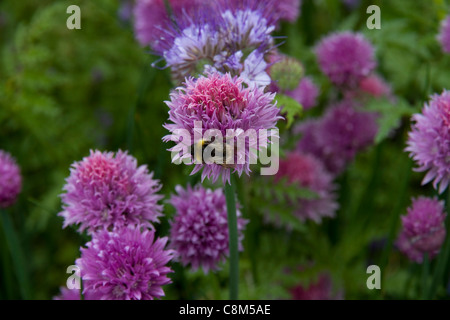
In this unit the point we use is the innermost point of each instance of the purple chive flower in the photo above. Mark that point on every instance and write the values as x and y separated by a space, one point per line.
306 93
199 230
309 172
215 39
429 140
221 102
288 10
125 265
10 180
338 136
107 191
346 58
404 245
74 294
444 35
423 224
151 19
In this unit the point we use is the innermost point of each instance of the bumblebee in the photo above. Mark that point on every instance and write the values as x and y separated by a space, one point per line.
227 151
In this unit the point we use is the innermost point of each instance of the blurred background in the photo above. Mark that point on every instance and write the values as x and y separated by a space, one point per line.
64 92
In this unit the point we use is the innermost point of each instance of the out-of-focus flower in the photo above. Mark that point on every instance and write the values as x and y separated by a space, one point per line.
125 265
221 102
403 244
10 180
423 224
151 19
74 294
322 289
106 191
338 136
346 58
288 10
375 86
429 141
199 230
444 34
309 172
306 93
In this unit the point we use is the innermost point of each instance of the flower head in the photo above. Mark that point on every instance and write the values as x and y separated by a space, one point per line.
107 191
338 136
306 93
223 37
404 245
375 86
125 265
424 224
10 180
322 289
221 103
199 230
308 172
288 10
346 58
151 19
429 140
444 35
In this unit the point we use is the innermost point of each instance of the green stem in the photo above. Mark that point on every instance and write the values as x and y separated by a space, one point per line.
443 257
230 195
16 254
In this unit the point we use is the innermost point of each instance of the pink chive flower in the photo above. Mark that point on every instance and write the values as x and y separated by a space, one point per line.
423 225
429 141
308 172
222 103
322 289
375 86
10 180
199 229
444 34
336 138
151 19
125 265
106 191
288 10
405 246
306 93
346 58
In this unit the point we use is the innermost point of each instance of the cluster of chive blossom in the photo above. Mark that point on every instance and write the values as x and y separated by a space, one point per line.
221 103
127 264
199 229
338 136
116 202
423 229
225 36
108 191
322 289
429 140
10 180
444 34
346 58
308 172
288 78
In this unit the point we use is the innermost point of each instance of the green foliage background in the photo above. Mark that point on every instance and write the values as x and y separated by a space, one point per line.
63 92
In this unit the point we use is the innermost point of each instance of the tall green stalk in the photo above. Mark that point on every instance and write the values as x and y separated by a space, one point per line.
230 195
17 256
